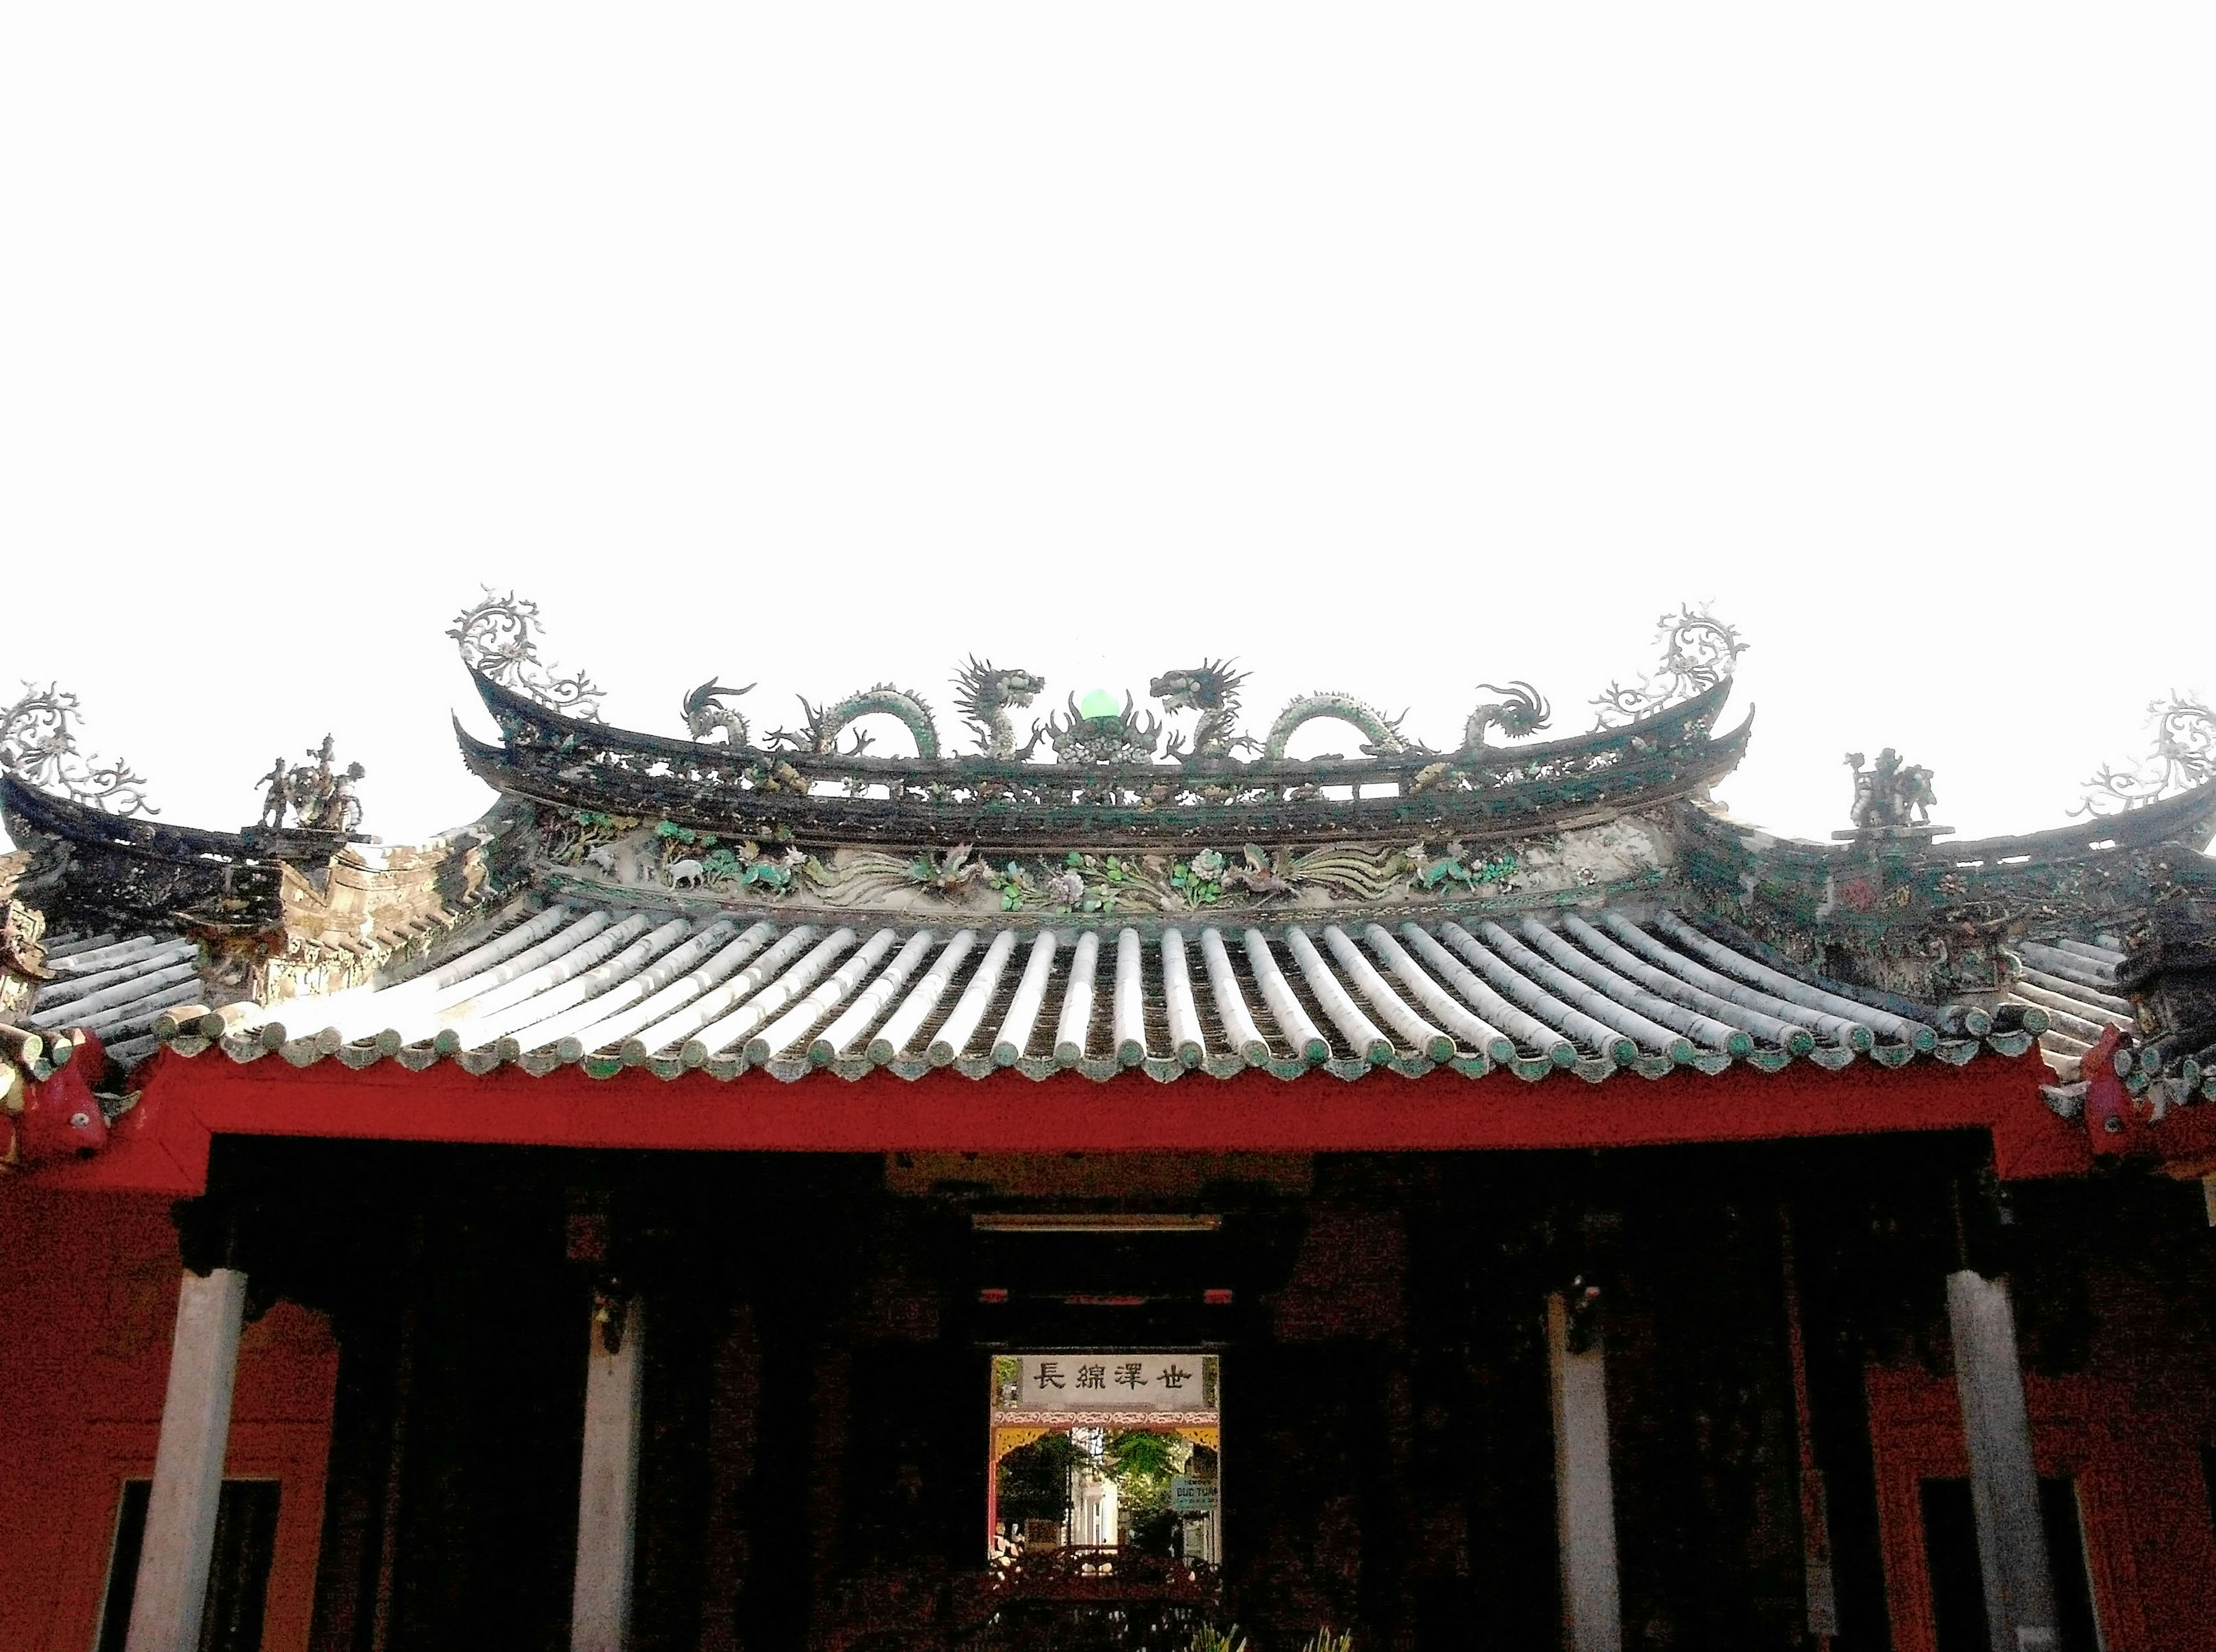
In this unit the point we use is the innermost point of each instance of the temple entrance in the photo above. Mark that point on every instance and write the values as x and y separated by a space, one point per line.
1103 1514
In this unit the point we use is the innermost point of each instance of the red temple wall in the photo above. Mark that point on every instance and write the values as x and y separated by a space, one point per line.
2129 1430
88 1301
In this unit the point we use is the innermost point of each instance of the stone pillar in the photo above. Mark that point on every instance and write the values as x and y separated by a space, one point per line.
181 1510
1585 1493
2003 1481
607 1491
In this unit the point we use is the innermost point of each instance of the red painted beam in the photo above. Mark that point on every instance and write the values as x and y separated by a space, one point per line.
162 1145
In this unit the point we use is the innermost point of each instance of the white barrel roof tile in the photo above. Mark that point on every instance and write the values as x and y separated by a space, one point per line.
1594 993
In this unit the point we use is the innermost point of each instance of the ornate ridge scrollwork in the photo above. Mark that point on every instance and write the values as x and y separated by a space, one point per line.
1699 651
2184 756
38 746
1220 763
499 636
757 867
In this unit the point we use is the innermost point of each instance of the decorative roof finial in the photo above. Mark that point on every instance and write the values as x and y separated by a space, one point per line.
1890 796
319 793
499 637
2184 756
1699 652
1097 732
38 746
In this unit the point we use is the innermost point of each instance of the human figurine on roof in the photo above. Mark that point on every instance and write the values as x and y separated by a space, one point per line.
1891 793
276 797
340 810
319 794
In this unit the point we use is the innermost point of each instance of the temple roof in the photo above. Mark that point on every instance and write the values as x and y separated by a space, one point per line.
1120 796
1173 900
2075 983
1631 987
117 988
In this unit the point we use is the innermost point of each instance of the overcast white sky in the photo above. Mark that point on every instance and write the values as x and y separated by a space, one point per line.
1389 349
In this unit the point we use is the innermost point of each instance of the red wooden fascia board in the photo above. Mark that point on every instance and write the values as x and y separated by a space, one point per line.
162 1145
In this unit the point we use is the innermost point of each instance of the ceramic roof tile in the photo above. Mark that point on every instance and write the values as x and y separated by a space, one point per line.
608 987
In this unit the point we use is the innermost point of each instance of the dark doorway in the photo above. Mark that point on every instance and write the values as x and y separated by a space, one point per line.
238 1577
1958 1590
2065 1555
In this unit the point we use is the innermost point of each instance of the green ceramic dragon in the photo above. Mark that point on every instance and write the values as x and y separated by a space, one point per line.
1383 733
822 726
1210 688
984 692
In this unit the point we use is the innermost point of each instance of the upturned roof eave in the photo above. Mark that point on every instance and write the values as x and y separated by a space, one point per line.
1473 817
2188 818
1670 759
507 705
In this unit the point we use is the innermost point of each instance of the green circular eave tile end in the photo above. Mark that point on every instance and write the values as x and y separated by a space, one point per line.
1098 702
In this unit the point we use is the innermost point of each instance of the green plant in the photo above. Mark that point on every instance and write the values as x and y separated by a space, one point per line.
1142 1464
1324 1641
1209 1638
